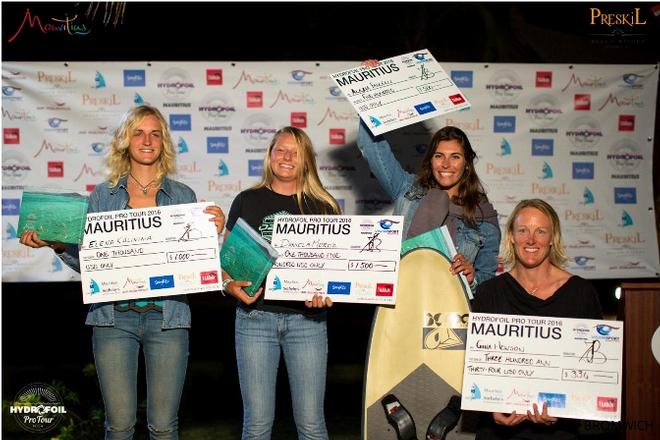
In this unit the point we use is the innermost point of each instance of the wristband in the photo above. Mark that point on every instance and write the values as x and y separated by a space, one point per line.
226 282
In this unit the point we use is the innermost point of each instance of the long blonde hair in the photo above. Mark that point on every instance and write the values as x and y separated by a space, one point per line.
118 160
308 183
557 254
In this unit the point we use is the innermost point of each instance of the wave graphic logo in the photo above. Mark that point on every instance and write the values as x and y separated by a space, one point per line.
505 148
93 287
277 283
99 81
182 146
626 219
10 232
546 171
587 197
475 392
223 169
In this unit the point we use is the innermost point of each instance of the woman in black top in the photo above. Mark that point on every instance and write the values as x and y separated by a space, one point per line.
265 329
535 285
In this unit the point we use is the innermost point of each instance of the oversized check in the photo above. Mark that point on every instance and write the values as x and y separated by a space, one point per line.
348 258
573 365
400 91
149 252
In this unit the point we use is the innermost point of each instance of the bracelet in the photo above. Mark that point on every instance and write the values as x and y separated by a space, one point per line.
226 282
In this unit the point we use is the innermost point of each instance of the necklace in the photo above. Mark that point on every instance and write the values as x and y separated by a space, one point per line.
143 188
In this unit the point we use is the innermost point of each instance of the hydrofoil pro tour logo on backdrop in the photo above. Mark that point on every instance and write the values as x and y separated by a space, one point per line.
505 87
544 110
38 408
444 331
217 109
175 84
625 157
584 132
257 130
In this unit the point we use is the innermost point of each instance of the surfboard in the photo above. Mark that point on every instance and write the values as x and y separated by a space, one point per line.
417 348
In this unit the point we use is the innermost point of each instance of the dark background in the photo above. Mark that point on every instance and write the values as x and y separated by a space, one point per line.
43 336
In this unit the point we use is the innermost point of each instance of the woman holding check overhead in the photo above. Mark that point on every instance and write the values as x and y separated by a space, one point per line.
141 157
445 191
290 185
535 285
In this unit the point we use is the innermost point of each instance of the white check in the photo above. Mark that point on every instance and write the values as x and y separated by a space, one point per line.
400 91
573 365
149 252
348 258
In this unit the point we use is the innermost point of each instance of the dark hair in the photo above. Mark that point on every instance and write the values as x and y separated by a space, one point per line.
470 190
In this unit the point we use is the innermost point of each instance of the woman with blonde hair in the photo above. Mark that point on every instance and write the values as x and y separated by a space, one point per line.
536 284
264 329
140 159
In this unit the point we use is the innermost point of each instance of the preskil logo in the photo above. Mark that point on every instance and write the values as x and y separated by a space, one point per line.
134 78
11 135
217 144
254 99
544 80
299 119
462 78
56 169
214 77
255 167
625 196
583 170
11 206
626 122
543 147
582 101
337 136
504 124
180 122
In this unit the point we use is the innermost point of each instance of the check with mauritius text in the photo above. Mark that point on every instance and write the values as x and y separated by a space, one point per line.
149 252
348 258
400 91
572 365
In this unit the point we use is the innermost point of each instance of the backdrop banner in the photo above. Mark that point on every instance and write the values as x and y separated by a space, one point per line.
577 136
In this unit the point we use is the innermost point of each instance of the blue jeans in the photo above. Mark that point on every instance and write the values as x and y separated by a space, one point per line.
116 351
259 338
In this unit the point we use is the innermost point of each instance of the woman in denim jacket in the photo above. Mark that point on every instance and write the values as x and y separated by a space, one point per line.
141 156
445 191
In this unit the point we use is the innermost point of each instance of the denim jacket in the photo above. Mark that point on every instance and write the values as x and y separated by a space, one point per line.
480 245
176 311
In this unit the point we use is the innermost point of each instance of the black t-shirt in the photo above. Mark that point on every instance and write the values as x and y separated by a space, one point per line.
258 207
576 298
